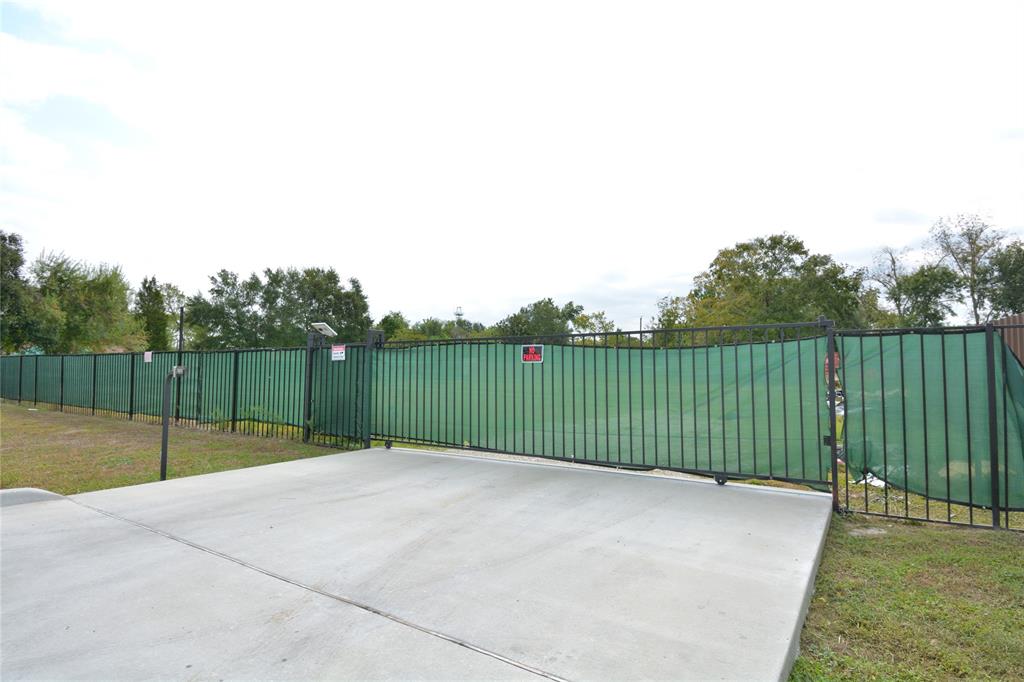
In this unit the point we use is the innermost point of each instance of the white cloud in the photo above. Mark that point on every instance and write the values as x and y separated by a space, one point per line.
460 153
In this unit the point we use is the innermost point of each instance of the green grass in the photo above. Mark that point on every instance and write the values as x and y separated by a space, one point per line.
898 600
893 600
72 453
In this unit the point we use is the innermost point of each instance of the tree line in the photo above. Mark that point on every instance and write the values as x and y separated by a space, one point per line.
61 305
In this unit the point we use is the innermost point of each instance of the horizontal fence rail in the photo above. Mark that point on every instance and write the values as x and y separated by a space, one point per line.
928 423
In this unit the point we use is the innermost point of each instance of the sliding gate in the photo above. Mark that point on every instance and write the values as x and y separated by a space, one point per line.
746 402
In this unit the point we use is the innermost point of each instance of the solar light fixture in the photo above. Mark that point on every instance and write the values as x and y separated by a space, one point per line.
324 328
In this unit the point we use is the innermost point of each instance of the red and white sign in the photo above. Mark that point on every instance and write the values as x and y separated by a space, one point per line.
337 352
533 353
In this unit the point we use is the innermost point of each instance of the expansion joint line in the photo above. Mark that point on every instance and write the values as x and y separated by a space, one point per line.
330 595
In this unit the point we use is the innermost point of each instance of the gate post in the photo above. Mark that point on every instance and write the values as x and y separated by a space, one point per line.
307 401
62 383
21 374
234 391
993 427
94 357
131 387
833 439
374 339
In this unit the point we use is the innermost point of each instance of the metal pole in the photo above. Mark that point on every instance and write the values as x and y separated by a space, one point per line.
131 388
307 404
94 383
166 418
833 440
62 383
181 347
21 373
374 337
993 427
234 393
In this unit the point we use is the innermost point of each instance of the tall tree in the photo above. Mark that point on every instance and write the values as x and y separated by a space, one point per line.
928 294
277 310
540 318
968 244
90 302
769 280
1007 283
152 314
393 324
16 320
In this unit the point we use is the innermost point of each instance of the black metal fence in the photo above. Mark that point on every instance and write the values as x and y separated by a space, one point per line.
916 423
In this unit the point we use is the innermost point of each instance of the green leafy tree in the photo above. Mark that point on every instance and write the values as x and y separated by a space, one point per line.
540 318
87 304
968 244
152 314
928 295
765 281
17 324
1007 282
393 324
276 311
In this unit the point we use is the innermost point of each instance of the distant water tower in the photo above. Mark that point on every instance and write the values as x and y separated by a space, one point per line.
458 316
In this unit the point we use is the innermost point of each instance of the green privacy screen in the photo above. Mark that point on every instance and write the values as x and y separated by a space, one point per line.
917 414
756 409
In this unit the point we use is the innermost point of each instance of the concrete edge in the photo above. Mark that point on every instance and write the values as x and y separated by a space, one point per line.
14 496
528 460
794 642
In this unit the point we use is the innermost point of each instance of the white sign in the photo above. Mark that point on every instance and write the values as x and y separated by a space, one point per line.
147 356
337 352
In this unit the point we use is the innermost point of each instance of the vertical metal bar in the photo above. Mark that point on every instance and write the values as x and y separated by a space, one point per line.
181 347
924 417
693 384
93 383
234 397
833 440
736 386
785 400
800 400
682 416
668 411
618 399
654 396
903 413
753 403
572 345
945 425
768 400
846 436
721 395
607 410
970 454
629 375
993 426
21 373
1003 348
62 383
707 392
307 402
131 386
643 424
165 421
885 444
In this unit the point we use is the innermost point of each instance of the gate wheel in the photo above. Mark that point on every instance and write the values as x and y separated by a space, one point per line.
387 445
720 479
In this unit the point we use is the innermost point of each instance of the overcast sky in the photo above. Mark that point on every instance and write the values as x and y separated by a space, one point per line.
488 154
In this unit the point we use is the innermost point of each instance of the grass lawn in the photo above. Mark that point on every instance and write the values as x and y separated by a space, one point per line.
70 453
898 600
894 600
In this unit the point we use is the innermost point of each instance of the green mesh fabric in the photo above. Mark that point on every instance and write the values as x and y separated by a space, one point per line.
917 415
749 409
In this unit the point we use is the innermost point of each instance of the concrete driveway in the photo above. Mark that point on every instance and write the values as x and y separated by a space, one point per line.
408 565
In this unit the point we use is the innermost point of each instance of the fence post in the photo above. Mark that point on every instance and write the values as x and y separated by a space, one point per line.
21 373
307 401
131 388
35 380
234 392
993 426
833 439
94 357
62 383
374 338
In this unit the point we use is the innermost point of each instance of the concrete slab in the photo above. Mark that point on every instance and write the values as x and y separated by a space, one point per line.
400 564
